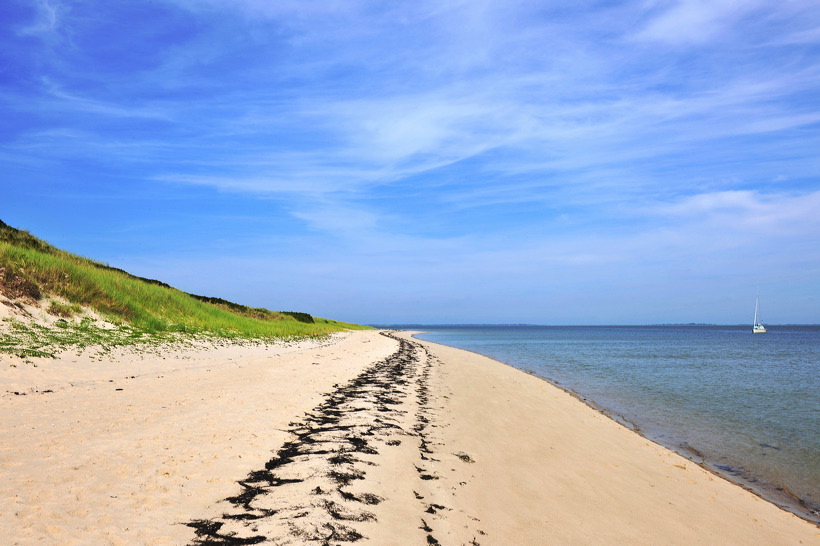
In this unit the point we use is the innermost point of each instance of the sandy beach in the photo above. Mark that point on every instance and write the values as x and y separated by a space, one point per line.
365 437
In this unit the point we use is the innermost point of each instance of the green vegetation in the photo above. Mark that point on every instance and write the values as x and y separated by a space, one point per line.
59 309
142 309
32 339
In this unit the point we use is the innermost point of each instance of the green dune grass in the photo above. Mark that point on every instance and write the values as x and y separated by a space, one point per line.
32 270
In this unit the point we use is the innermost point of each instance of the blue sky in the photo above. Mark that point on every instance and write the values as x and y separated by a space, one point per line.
450 161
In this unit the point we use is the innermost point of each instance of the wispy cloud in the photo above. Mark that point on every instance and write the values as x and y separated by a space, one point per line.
749 214
485 139
47 19
685 22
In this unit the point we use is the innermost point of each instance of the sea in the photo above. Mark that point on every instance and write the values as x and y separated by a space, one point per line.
743 405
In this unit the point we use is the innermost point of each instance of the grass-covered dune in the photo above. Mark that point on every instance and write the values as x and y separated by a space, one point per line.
33 271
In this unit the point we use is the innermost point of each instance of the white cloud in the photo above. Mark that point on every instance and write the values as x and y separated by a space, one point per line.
742 218
696 21
283 8
807 36
47 19
451 146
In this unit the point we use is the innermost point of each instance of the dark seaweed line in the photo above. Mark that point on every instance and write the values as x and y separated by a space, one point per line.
424 421
354 420
420 428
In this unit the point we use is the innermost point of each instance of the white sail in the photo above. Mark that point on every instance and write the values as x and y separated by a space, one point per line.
757 328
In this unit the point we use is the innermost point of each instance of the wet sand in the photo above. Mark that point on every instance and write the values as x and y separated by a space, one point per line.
371 438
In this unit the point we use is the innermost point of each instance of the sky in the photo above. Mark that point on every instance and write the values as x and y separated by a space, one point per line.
475 161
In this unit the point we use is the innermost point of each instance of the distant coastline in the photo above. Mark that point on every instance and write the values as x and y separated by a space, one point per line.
409 326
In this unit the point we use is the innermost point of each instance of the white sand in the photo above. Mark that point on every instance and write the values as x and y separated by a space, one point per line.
90 464
550 470
463 449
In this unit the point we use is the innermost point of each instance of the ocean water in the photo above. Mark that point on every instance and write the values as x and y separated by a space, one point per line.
745 405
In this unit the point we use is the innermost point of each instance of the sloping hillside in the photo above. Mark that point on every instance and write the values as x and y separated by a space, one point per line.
69 288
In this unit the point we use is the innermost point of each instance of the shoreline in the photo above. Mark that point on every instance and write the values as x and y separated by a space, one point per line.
371 436
773 493
779 496
729 488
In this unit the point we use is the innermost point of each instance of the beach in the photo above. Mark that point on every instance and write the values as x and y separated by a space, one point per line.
369 437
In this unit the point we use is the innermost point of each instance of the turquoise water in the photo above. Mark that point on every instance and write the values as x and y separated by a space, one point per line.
746 405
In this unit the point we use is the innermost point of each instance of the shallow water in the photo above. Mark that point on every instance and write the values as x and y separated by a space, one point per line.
746 405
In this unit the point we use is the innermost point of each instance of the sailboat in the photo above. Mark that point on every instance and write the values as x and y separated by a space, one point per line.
757 328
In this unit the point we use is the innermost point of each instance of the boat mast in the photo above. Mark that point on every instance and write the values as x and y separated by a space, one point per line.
757 300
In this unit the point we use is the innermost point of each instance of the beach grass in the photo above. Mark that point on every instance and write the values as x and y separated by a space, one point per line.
31 270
